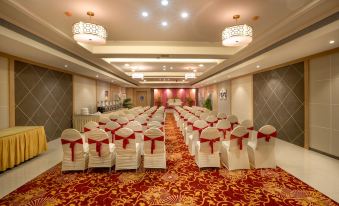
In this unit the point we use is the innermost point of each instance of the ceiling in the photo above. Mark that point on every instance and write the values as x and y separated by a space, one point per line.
146 46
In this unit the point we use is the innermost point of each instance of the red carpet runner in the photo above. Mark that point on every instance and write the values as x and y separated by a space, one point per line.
181 184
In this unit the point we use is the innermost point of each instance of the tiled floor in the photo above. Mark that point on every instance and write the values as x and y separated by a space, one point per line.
319 171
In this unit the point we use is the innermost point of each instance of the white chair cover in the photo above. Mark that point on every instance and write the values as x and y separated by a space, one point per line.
122 120
224 127
189 128
233 120
101 152
234 153
154 149
207 148
110 129
247 124
75 153
261 151
90 126
130 117
113 117
102 122
197 127
221 116
203 116
212 120
128 153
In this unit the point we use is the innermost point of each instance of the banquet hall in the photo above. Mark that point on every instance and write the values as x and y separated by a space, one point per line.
169 102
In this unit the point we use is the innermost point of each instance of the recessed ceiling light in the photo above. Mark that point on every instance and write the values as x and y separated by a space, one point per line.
97 76
194 70
164 66
164 2
133 70
66 65
164 23
184 15
144 14
171 68
164 69
126 65
112 80
332 42
201 65
258 66
145 80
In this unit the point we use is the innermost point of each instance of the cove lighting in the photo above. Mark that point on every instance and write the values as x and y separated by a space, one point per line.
137 75
163 60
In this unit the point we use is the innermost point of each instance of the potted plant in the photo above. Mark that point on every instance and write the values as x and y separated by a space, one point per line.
189 101
127 103
208 103
158 102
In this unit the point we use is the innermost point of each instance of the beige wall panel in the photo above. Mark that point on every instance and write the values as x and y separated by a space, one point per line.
4 93
102 87
84 94
242 97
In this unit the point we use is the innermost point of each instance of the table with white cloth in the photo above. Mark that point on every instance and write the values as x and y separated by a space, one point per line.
18 144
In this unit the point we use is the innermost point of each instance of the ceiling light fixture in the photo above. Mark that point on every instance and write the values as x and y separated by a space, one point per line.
201 65
97 76
190 76
126 65
331 42
184 15
144 14
171 68
66 65
258 66
164 23
238 35
194 70
164 69
164 2
138 76
89 32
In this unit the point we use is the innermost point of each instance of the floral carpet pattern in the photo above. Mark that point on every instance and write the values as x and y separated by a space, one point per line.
181 184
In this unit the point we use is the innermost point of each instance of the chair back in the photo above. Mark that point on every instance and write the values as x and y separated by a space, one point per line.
237 139
197 113
98 142
187 116
210 140
190 122
90 126
113 117
224 127
154 141
212 120
142 120
111 128
103 121
72 144
198 127
130 117
247 123
125 141
221 116
154 124
214 113
137 129
158 118
204 115
233 120
122 120
266 136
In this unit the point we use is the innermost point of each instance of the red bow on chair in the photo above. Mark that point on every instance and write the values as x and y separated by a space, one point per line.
240 139
222 118
140 131
123 124
189 123
250 128
211 123
146 138
88 129
102 123
211 142
98 144
267 136
144 124
113 120
233 124
112 131
198 129
71 145
224 131
125 141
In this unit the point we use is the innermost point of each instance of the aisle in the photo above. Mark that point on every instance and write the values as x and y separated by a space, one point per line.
181 184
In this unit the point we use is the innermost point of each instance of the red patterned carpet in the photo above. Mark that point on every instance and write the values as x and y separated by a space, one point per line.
181 184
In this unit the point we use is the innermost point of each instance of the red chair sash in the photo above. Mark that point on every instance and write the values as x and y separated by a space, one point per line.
123 124
139 131
88 129
250 128
267 136
146 138
102 123
233 124
144 124
98 144
222 118
198 129
112 131
211 123
211 142
71 145
113 120
224 131
189 123
240 139
125 141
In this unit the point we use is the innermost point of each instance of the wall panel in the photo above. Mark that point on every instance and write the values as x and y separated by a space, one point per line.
84 94
4 91
242 97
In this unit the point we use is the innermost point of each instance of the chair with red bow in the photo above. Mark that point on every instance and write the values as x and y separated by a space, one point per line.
207 148
224 128
139 133
128 151
184 123
111 128
189 128
203 116
213 113
233 120
89 126
212 120
261 151
181 119
197 113
197 128
75 152
142 120
122 120
101 152
103 121
234 152
221 116
114 117
154 149
248 124
158 118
